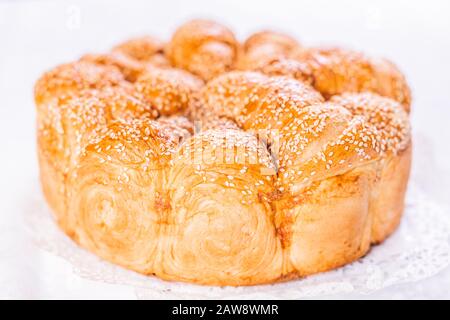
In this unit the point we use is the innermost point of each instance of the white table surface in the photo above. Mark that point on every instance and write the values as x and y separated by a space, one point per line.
36 35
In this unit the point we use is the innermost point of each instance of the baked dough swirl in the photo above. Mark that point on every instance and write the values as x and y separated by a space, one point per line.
206 161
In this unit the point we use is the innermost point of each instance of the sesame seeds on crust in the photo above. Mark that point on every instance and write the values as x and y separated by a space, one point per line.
309 139
386 115
336 71
278 106
69 79
168 90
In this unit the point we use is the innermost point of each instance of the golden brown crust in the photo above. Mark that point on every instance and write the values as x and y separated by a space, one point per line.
53 90
336 71
176 123
116 203
391 82
158 60
168 90
283 42
66 130
329 156
130 68
392 124
328 224
255 101
386 115
142 49
219 178
68 80
264 46
287 67
387 198
267 181
204 48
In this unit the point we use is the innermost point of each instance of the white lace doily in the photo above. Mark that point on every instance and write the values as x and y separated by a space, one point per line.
418 249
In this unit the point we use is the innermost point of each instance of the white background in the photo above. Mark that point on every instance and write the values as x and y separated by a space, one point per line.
36 35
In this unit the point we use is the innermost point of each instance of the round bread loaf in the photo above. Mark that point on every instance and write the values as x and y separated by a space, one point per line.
206 161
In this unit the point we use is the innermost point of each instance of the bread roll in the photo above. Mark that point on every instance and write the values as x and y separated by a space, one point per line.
204 48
